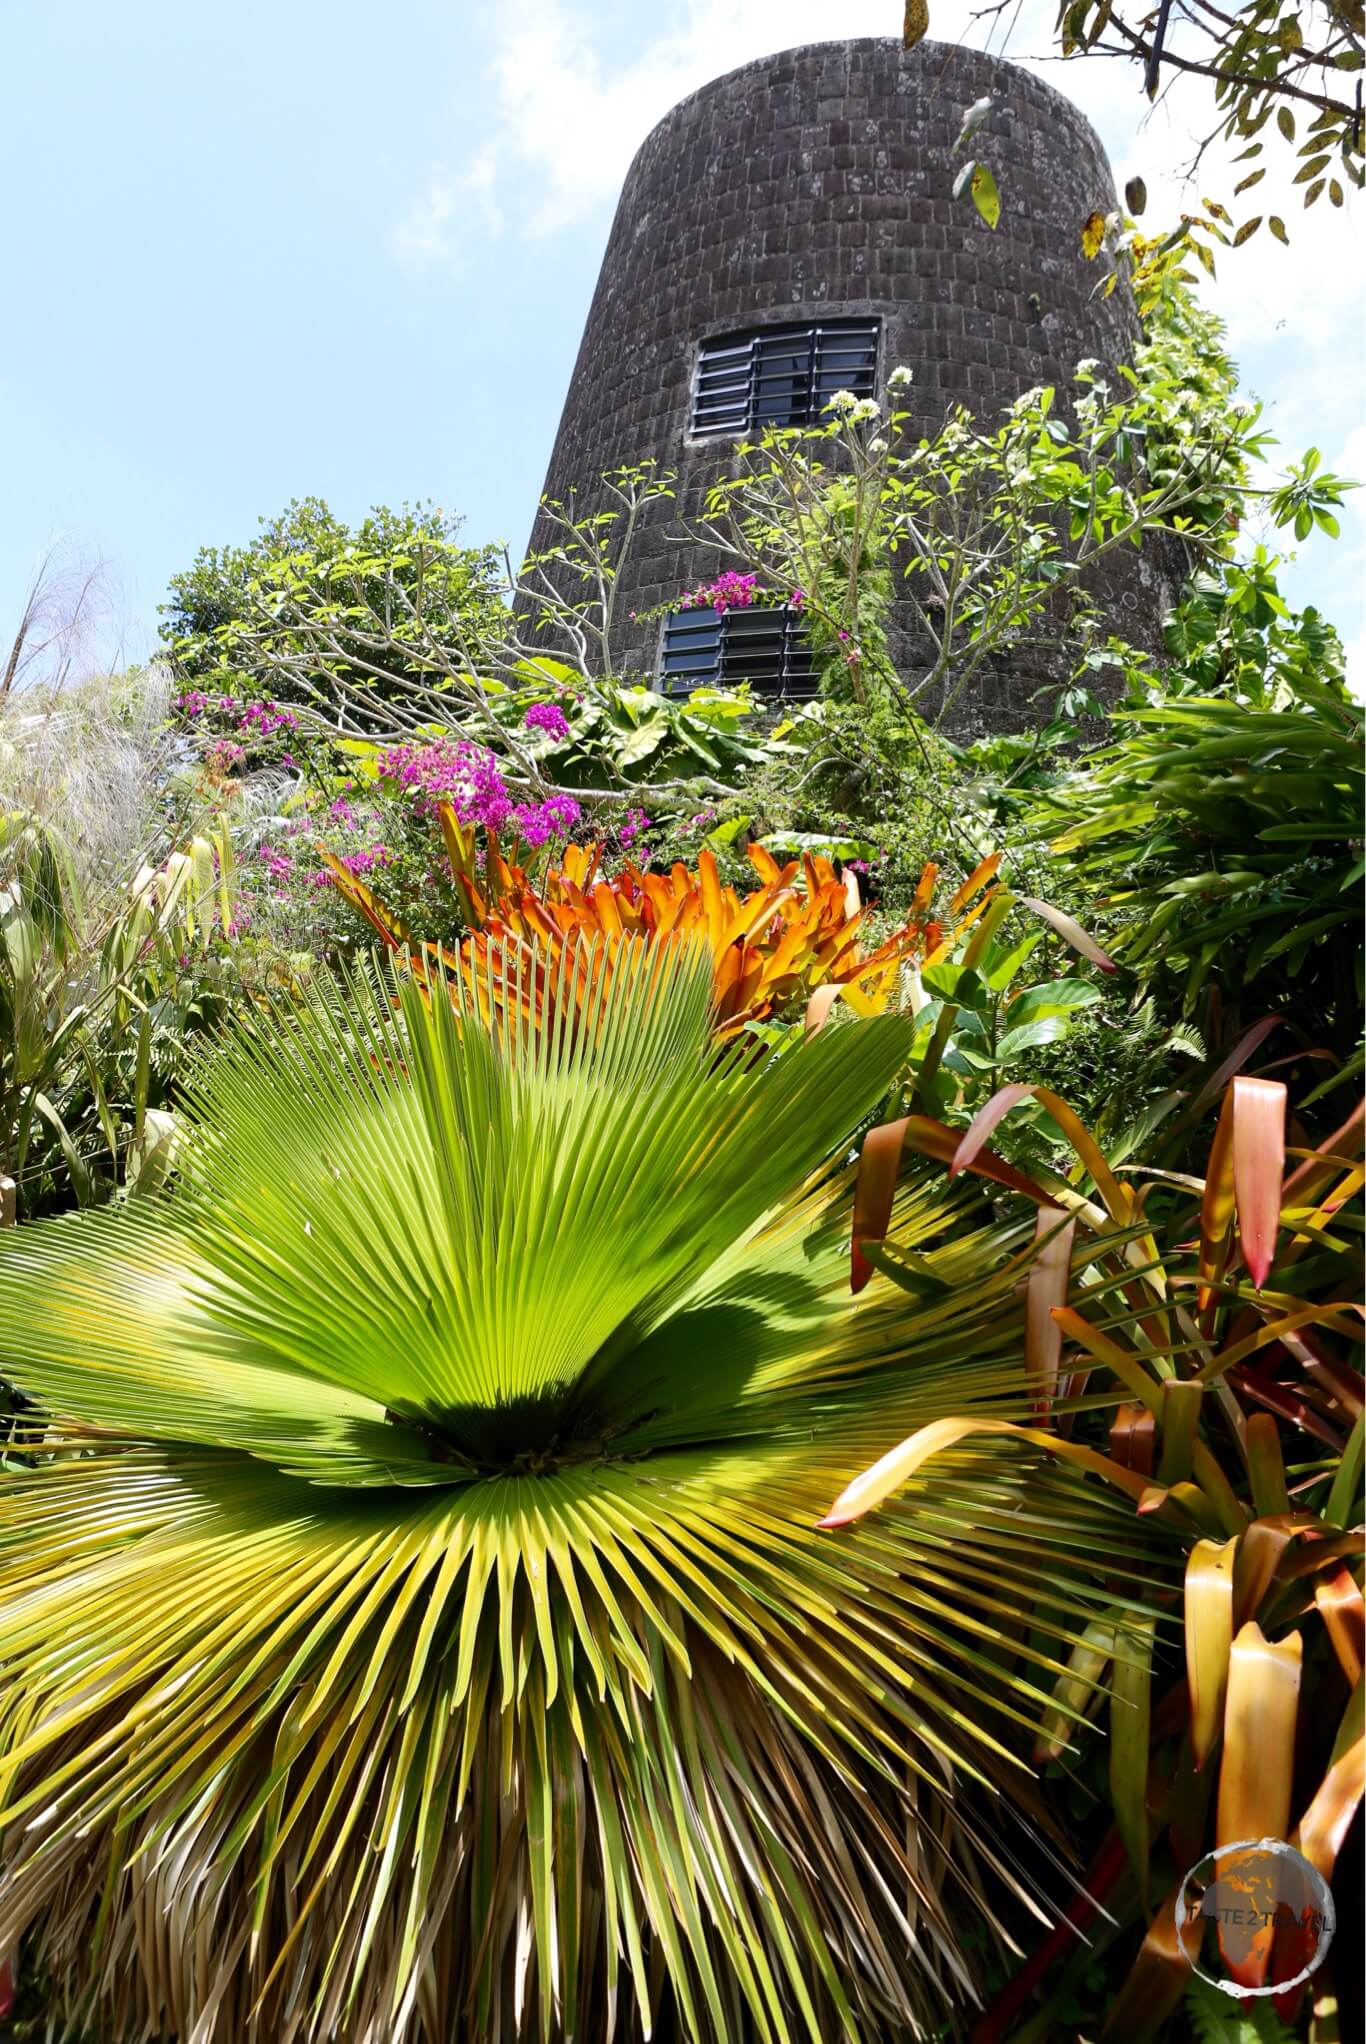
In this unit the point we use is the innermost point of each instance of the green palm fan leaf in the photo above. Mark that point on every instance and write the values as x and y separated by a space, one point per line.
415 1627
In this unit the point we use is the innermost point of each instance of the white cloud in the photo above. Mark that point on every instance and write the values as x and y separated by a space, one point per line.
450 204
568 118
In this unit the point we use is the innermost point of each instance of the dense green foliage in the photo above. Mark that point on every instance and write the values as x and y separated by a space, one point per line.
233 592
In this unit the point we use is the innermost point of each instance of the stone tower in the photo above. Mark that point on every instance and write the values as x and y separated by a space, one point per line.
805 201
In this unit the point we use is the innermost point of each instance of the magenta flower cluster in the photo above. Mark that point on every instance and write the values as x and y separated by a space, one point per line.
730 591
637 823
225 754
365 861
260 719
466 776
278 864
734 591
547 717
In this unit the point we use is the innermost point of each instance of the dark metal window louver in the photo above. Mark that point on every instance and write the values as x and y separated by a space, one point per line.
720 649
781 375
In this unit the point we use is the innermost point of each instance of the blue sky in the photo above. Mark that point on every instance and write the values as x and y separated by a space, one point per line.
255 252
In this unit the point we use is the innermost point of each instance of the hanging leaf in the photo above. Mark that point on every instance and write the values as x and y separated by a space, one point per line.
1047 1288
1135 196
985 196
1258 1168
917 22
1092 235
1247 230
1066 926
974 117
976 182
1246 1163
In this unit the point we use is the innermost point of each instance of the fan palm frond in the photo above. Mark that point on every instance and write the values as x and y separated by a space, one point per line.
415 1625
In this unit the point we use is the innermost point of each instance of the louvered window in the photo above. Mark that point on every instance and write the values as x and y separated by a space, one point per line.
781 375
720 649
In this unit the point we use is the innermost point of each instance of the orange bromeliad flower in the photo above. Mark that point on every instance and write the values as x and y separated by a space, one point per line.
772 949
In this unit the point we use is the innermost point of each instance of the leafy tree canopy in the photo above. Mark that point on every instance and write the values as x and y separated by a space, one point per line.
308 547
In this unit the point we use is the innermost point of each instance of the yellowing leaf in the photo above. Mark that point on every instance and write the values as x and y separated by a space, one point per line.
1209 1639
1136 195
916 23
1259 1748
1344 1614
1092 235
904 1461
987 199
1130 1721
1155 1983
1047 1288
1066 926
977 879
1073 1691
1328 1819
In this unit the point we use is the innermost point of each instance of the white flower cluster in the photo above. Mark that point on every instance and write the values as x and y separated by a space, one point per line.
899 378
852 408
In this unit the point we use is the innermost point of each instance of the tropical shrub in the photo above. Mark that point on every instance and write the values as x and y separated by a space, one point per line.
414 1621
1219 822
773 949
101 990
1225 1347
276 616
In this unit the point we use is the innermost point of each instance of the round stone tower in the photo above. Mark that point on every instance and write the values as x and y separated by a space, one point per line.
805 200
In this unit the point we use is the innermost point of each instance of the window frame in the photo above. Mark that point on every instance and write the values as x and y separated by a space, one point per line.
794 677
823 373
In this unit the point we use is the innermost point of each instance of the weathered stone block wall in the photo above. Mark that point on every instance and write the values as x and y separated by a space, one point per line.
819 182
